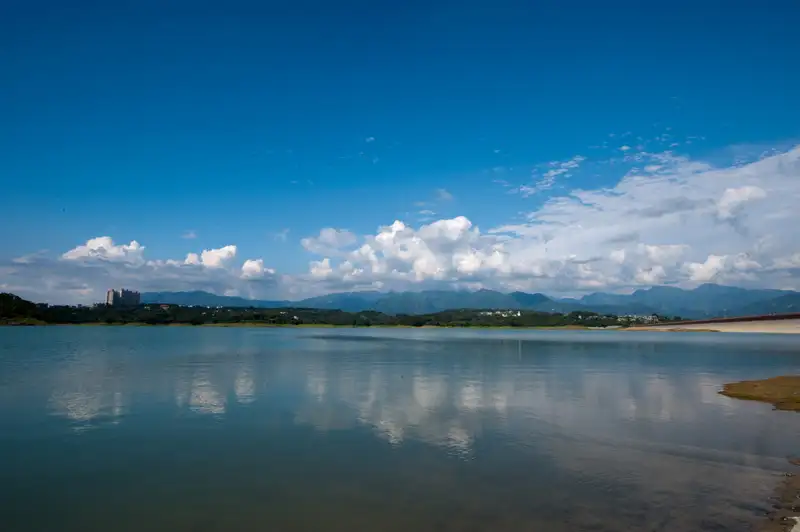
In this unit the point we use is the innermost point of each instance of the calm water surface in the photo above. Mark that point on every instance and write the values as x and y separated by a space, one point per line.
212 429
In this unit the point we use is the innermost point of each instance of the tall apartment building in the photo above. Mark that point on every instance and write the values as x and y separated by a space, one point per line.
122 298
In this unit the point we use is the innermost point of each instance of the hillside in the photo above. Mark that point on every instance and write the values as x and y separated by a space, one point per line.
12 306
784 304
705 301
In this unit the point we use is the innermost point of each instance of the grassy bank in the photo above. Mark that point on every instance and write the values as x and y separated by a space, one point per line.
782 392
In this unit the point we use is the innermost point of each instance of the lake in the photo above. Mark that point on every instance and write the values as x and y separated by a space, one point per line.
227 429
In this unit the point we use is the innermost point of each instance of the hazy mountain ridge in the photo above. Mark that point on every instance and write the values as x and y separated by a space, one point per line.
705 301
207 299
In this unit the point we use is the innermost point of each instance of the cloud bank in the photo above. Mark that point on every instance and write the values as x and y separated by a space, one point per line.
669 220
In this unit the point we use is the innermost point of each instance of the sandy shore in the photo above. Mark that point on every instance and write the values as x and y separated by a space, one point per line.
773 326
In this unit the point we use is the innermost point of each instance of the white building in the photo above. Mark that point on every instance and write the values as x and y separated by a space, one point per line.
122 298
502 313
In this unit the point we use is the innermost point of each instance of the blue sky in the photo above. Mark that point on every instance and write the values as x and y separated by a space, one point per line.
258 124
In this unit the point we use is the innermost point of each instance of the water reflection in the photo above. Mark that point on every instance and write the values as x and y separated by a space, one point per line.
383 433
244 386
89 392
527 394
608 392
204 398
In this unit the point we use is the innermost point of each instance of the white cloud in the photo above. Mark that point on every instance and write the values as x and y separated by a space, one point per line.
321 269
724 268
624 148
546 180
787 263
192 258
650 276
648 229
369 140
329 242
209 258
214 258
733 200
706 271
103 248
190 234
254 269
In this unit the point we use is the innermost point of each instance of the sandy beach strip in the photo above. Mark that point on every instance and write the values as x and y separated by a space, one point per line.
791 326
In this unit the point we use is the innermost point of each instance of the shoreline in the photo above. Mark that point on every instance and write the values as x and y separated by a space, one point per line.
790 326
296 326
757 327
783 393
783 517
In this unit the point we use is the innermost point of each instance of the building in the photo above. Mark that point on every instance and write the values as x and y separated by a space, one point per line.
502 313
122 298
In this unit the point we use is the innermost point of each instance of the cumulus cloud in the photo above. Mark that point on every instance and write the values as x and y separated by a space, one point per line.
212 258
732 267
329 241
254 269
103 248
218 258
648 229
321 269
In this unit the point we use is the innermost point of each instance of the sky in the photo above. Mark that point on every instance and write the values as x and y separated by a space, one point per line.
285 150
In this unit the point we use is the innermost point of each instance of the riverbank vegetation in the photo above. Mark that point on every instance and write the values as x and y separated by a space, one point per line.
17 311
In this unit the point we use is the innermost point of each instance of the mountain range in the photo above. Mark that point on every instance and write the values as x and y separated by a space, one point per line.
705 301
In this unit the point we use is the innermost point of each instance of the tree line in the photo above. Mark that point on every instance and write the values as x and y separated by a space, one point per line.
15 310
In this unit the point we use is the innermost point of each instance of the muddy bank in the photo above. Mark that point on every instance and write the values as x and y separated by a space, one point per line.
782 392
